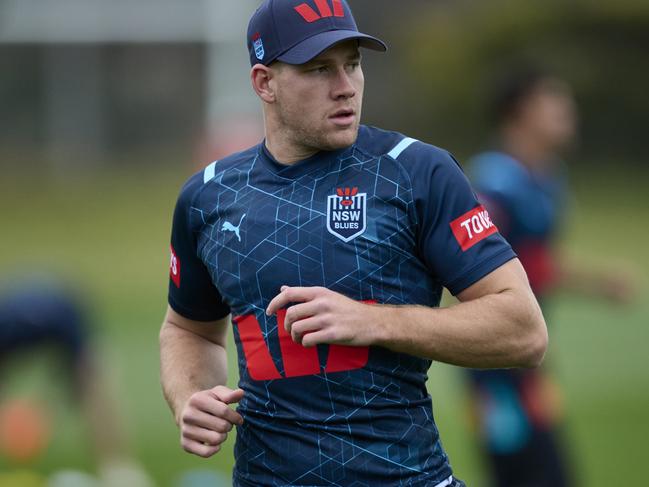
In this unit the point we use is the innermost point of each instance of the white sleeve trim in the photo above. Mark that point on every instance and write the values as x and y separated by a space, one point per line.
446 482
209 172
401 146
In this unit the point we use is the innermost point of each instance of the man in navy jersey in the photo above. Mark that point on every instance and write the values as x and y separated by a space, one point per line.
328 245
522 181
523 186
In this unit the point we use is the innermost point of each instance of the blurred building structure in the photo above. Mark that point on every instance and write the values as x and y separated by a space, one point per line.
128 81
185 56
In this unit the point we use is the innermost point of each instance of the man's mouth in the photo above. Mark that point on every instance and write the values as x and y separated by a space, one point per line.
343 117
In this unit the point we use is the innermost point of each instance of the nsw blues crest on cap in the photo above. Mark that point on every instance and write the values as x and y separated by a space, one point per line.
258 45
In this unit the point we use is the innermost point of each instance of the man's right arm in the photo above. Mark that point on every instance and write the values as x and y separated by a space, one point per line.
193 370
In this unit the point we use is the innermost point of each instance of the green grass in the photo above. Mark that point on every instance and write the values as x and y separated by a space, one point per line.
109 233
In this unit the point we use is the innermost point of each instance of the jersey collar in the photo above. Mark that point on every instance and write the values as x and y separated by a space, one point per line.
318 161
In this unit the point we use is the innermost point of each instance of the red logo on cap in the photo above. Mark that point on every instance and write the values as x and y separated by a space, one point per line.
310 15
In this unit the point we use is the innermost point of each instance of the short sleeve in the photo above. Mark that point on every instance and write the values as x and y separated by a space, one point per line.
191 290
457 239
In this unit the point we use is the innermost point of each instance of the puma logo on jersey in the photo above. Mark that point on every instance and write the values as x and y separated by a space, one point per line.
472 227
229 227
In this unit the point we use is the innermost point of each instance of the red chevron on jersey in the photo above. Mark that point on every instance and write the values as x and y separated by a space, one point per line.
472 227
297 360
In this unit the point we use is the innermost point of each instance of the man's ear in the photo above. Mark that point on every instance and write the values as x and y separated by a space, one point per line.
261 77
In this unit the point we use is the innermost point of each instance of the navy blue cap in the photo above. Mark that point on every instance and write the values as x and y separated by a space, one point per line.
296 31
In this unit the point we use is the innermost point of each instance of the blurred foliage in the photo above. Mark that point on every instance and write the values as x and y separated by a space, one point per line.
432 84
455 51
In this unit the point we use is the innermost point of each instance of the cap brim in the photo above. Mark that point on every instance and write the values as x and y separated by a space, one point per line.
309 48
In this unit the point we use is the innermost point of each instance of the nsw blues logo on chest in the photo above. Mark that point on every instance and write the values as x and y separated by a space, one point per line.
347 213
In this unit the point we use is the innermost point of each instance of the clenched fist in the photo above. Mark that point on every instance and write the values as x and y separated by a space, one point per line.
206 419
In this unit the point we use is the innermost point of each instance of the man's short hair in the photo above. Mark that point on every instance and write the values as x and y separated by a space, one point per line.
510 91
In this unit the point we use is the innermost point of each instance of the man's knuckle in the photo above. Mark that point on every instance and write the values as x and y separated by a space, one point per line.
319 305
232 417
217 390
222 426
195 400
290 315
332 334
221 410
324 319
185 443
204 453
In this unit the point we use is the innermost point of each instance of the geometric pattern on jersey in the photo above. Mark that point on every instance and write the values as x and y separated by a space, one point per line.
258 225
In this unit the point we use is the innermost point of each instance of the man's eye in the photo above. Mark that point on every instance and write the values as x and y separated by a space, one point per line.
353 66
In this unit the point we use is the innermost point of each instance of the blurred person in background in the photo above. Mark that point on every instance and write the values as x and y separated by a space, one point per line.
39 314
523 183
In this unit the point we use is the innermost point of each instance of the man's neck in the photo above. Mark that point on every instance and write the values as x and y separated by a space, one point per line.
524 148
287 153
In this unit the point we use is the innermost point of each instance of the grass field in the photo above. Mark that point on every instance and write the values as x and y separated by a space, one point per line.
109 234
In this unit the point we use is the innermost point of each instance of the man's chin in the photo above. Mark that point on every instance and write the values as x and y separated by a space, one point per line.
342 138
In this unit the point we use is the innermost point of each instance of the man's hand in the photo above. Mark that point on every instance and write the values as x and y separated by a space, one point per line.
318 315
206 419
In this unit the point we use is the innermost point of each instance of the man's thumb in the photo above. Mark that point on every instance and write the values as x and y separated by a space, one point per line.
227 395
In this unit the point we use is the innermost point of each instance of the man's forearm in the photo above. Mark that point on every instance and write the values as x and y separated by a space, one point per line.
494 331
188 363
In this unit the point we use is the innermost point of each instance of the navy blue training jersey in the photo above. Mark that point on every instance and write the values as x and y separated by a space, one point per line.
389 220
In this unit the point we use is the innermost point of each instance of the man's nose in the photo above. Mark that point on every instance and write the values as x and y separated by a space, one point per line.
343 86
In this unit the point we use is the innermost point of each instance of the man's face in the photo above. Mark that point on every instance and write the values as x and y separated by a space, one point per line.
318 104
550 113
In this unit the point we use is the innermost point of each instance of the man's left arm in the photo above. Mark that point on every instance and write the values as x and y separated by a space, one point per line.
496 324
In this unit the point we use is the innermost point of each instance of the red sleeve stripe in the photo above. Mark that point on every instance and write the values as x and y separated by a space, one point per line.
174 268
